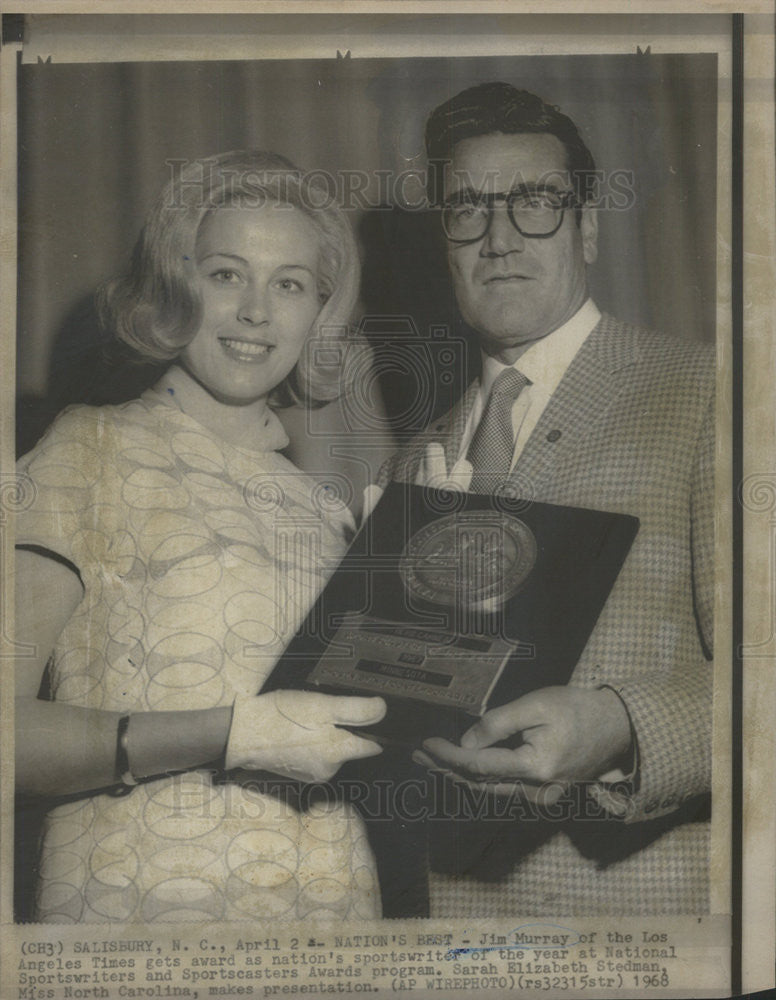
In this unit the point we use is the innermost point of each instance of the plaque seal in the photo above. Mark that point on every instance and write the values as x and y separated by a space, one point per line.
471 559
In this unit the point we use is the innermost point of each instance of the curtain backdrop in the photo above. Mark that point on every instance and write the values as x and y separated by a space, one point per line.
96 141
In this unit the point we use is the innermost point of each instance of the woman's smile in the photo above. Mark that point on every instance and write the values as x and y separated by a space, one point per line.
246 351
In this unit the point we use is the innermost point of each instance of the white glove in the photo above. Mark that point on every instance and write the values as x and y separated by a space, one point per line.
432 470
295 734
372 494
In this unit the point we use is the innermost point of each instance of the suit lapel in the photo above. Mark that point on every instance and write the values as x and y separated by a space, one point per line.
593 380
596 376
447 431
457 423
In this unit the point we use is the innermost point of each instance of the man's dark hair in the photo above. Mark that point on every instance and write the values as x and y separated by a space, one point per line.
500 107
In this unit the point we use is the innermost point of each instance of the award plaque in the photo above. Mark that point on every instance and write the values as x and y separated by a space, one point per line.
447 604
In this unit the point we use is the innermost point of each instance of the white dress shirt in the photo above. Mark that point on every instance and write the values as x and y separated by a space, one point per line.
544 363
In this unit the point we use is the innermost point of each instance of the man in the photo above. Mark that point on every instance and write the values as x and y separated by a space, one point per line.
595 414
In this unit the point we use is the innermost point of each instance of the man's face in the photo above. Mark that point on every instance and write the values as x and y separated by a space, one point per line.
511 289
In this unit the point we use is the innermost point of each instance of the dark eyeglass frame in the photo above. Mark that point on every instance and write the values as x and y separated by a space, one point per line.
566 199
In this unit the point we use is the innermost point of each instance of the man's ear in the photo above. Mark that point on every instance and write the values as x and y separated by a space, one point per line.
588 227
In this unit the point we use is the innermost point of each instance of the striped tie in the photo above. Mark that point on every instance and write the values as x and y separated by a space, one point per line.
493 444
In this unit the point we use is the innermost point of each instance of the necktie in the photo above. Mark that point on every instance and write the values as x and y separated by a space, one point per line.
493 444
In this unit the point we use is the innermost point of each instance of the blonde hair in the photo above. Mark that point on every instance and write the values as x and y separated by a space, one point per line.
155 309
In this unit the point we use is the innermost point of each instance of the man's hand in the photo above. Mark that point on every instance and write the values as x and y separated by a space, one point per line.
566 734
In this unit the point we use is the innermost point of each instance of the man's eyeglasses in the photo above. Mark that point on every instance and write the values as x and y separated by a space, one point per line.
536 214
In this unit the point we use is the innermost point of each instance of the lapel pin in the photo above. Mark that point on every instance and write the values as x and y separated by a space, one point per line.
554 435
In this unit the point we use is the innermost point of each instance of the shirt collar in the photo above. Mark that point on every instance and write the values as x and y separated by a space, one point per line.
546 361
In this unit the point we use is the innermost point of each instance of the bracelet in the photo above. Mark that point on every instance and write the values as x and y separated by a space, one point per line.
123 770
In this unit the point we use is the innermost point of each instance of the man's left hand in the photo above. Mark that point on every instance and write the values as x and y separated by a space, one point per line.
566 734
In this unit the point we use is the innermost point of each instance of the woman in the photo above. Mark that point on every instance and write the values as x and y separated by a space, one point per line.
170 554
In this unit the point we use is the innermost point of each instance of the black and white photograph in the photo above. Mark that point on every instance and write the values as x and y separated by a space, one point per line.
374 542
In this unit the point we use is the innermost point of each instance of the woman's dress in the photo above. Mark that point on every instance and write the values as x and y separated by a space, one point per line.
199 560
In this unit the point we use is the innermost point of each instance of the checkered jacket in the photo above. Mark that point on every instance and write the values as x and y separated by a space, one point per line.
630 429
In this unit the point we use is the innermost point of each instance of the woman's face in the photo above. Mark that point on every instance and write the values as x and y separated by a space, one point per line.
257 272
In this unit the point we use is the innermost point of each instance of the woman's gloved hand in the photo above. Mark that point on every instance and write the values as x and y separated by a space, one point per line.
432 471
296 734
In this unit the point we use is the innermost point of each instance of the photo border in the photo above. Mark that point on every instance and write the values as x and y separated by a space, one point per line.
751 353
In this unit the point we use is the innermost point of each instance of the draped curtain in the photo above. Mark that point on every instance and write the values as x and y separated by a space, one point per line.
96 141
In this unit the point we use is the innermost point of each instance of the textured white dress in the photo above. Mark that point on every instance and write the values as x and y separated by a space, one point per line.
199 561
